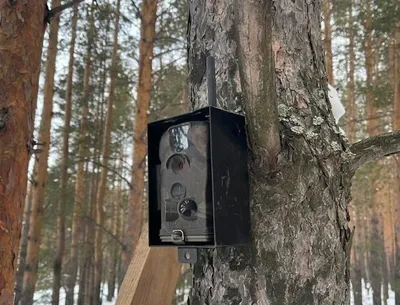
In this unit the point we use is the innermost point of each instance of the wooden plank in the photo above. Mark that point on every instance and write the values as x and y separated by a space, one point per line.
151 276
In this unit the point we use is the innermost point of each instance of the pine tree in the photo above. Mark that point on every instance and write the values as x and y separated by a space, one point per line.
20 56
58 259
300 186
77 219
102 187
134 221
35 220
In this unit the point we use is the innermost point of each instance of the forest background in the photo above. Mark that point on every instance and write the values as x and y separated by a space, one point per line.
94 122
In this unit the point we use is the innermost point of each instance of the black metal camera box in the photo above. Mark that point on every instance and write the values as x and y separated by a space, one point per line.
198 180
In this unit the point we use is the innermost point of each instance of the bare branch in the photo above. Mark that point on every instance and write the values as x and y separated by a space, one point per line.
106 230
374 148
137 9
59 9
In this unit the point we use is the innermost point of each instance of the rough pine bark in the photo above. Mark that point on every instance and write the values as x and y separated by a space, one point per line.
134 218
21 40
58 258
35 221
102 187
269 55
327 13
77 218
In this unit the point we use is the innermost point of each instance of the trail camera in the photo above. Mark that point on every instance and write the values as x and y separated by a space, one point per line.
198 182
186 206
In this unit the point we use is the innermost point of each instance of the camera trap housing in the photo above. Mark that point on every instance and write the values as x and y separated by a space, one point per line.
198 181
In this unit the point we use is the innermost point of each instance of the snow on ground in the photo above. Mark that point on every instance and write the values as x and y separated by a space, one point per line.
43 297
367 295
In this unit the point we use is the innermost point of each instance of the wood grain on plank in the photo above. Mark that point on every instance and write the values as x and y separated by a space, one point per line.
151 276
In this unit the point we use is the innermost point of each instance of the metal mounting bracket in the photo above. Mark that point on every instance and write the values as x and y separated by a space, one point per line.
187 255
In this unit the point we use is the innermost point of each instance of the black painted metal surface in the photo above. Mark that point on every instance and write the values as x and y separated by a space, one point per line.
228 219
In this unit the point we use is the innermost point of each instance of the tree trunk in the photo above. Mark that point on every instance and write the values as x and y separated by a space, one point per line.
134 220
396 126
300 251
356 270
115 230
86 282
88 251
375 242
35 221
351 88
372 123
98 250
77 221
376 258
21 40
23 247
327 11
58 259
357 250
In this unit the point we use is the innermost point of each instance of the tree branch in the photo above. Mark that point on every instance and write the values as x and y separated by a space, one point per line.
137 9
374 148
59 9
106 230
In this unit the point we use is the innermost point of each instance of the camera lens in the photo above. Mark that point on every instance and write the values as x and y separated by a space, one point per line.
178 191
176 163
187 208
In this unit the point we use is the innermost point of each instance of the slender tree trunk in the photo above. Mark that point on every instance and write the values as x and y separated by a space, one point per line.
375 241
300 252
58 259
114 250
357 265
327 12
366 236
351 99
35 221
134 220
77 221
385 278
388 230
88 254
98 251
90 239
86 283
372 123
376 258
358 251
396 126
21 40
23 247
115 230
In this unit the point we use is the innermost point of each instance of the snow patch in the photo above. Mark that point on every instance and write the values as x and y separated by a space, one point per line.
367 295
337 107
